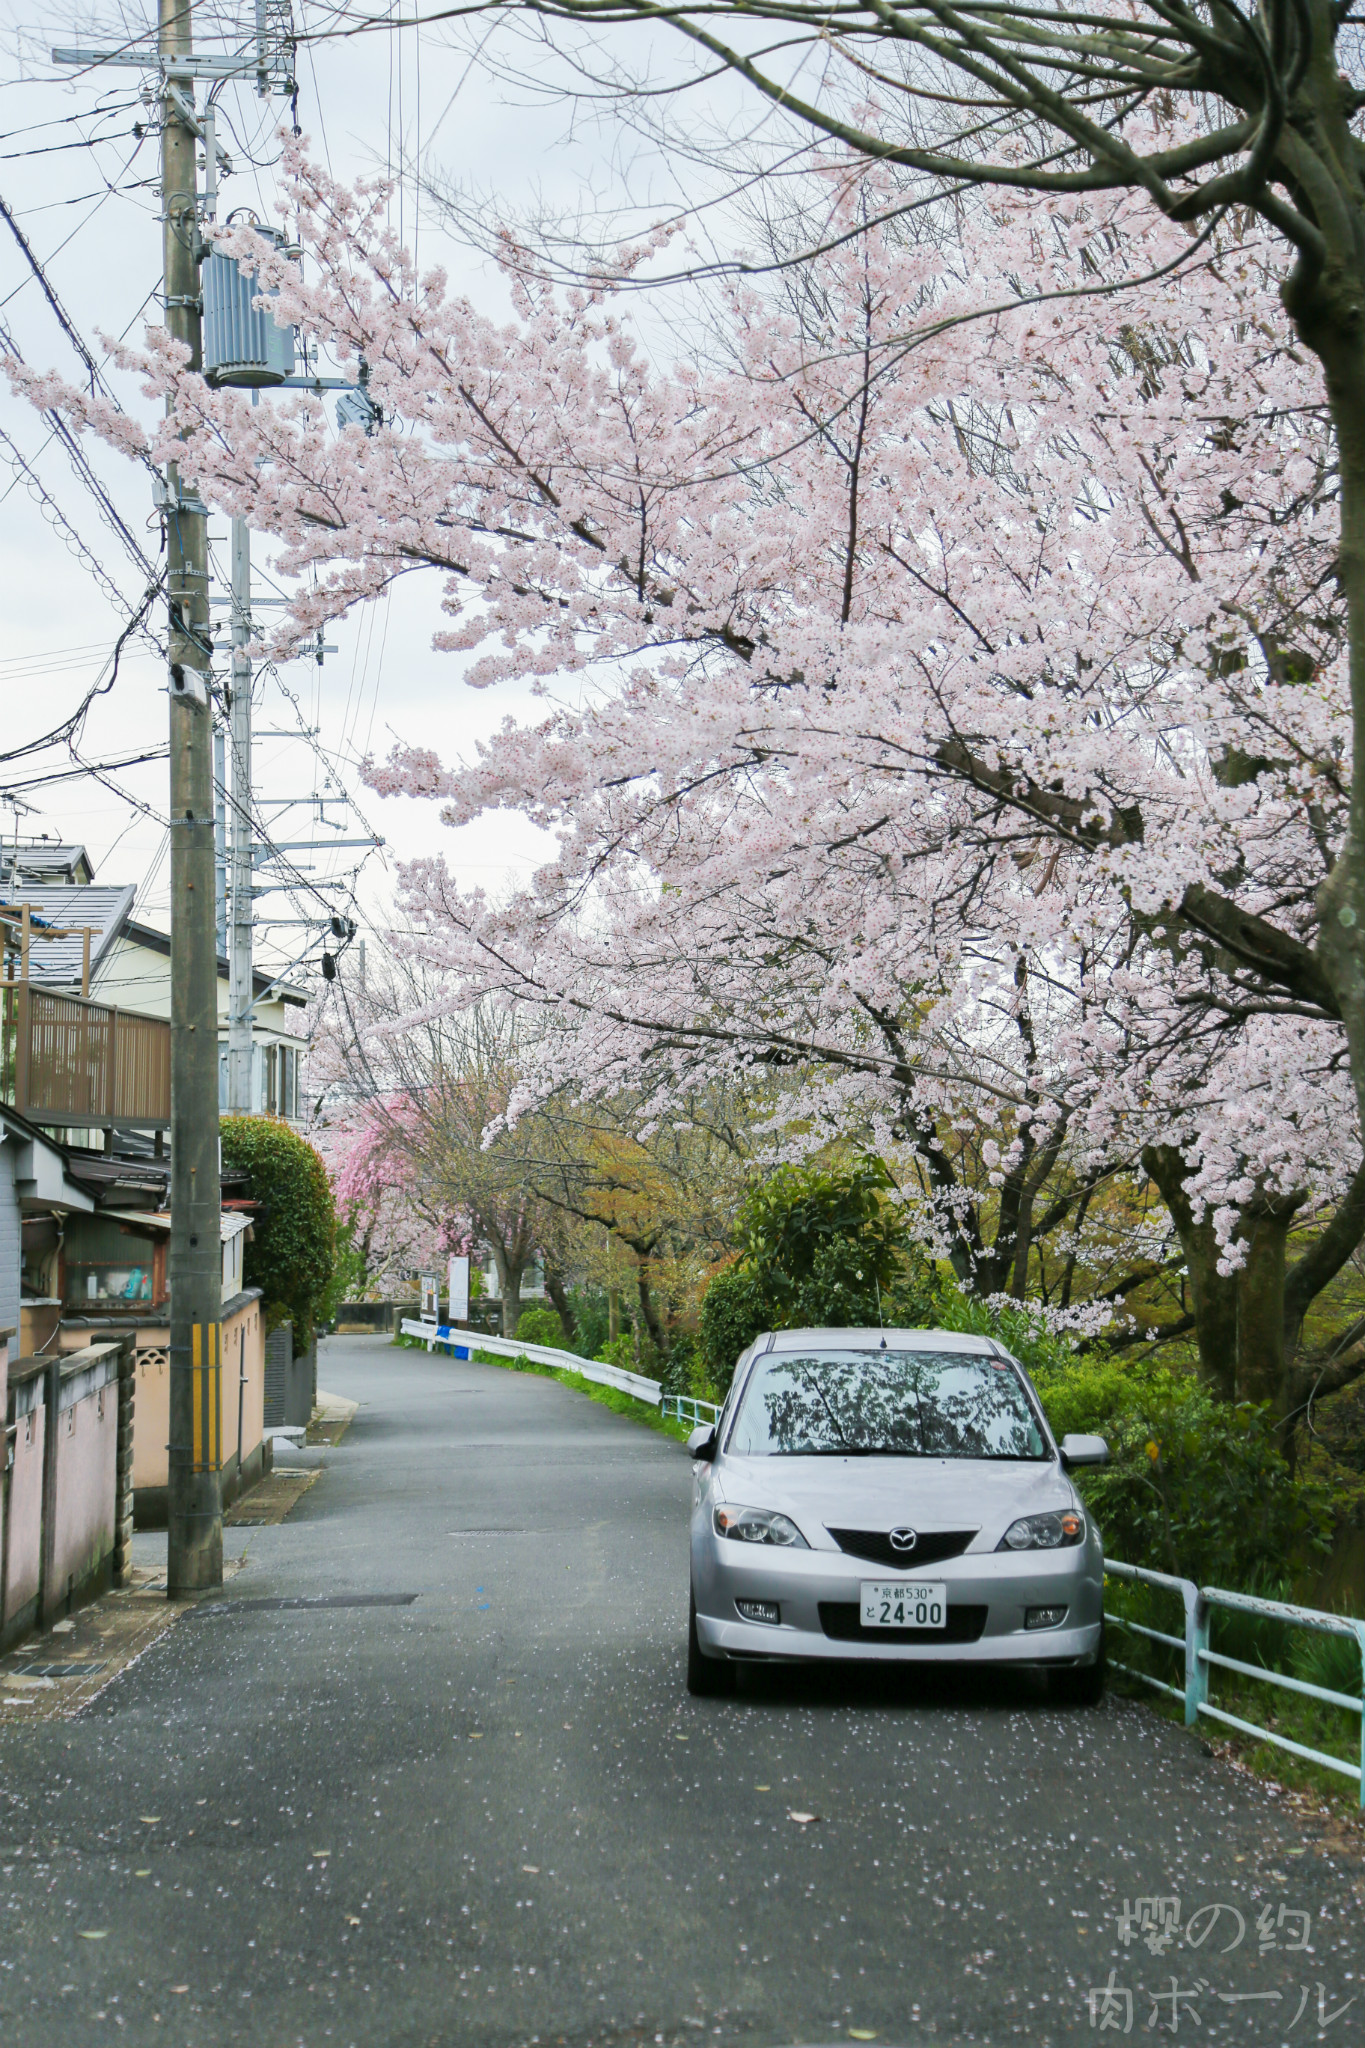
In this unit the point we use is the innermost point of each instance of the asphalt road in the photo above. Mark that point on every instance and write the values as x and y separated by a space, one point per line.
493 1815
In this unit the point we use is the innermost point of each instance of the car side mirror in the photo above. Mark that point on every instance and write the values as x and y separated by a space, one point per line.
1081 1451
702 1442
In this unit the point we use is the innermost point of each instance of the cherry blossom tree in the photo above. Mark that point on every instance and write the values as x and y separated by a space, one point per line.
1195 107
954 712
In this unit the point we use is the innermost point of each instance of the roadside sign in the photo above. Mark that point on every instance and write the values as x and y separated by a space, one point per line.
459 1290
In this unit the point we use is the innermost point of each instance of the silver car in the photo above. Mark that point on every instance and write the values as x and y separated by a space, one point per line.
891 1497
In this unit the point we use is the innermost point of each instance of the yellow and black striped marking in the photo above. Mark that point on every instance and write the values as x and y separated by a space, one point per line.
207 1344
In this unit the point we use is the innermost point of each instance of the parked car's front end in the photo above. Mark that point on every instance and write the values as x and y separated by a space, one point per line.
890 1497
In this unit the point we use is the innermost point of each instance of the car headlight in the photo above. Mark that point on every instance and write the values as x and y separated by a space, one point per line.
1044 1532
757 1525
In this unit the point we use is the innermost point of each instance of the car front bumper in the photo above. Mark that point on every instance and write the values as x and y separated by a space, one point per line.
819 1594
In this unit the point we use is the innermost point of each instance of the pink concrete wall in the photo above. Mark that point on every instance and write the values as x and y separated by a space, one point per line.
87 1459
24 1535
63 1486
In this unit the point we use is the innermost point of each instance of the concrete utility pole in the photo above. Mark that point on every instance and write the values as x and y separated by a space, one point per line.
195 1503
240 898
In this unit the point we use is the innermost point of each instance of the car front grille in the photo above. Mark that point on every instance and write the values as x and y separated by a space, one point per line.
842 1619
875 1545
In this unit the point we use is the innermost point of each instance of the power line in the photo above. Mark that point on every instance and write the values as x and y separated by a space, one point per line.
61 431
58 520
84 768
70 726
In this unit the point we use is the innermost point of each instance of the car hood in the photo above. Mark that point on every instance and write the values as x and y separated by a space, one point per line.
880 1493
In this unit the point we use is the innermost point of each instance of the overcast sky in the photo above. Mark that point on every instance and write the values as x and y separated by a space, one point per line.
90 215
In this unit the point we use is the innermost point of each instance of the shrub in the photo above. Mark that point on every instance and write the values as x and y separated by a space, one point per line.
540 1324
734 1309
681 1370
821 1249
618 1351
293 1245
592 1316
1195 1487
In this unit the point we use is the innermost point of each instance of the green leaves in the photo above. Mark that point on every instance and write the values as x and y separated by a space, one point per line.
293 1245
822 1249
1196 1487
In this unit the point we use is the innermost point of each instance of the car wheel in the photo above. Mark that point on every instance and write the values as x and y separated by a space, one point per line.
1081 1686
707 1677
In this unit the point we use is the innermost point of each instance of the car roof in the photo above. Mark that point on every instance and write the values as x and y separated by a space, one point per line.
872 1340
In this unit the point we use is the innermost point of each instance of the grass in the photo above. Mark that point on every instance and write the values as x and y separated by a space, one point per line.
1329 1661
608 1397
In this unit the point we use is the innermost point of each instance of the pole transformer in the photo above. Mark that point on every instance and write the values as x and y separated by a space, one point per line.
241 904
195 1493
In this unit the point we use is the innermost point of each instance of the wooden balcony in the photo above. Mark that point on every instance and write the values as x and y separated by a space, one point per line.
65 1060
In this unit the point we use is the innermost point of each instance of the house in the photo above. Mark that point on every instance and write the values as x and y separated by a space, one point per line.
111 1276
81 938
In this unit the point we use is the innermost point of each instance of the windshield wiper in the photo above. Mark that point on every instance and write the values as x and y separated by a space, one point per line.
852 1451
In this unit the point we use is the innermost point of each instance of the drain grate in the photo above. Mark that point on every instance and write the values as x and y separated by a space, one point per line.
305 1603
70 1669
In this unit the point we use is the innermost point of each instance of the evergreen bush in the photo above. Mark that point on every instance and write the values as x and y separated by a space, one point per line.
292 1252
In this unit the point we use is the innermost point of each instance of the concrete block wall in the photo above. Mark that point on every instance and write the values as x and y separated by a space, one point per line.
59 1507
291 1379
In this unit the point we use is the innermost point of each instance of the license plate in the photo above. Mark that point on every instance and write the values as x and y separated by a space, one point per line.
906 1603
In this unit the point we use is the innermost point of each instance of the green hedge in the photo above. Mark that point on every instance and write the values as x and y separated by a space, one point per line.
293 1246
1195 1487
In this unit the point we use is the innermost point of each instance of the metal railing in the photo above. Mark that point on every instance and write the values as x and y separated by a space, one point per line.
67 1060
1199 1603
464 1343
682 1408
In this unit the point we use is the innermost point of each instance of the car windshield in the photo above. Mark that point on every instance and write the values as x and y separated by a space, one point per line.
898 1404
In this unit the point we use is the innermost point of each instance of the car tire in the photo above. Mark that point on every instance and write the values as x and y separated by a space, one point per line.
1083 1685
707 1677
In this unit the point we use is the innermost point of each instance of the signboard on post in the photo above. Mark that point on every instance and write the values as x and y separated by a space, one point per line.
459 1290
431 1306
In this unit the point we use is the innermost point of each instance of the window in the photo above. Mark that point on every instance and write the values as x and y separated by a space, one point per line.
897 1404
289 1081
109 1266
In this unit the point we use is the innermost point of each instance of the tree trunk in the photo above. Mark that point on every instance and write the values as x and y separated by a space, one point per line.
510 1269
559 1296
1214 1294
650 1315
1261 1359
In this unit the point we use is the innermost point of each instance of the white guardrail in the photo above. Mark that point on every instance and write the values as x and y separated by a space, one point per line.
464 1343
1198 1603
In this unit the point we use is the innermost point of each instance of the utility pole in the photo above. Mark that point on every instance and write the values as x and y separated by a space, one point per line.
220 857
195 1494
240 888
195 1505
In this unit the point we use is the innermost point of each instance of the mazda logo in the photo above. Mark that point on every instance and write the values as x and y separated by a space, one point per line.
904 1540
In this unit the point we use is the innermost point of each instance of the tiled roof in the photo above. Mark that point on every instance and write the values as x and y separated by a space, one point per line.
56 963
